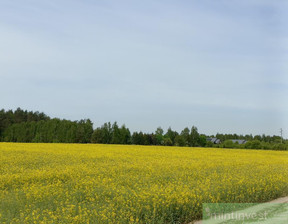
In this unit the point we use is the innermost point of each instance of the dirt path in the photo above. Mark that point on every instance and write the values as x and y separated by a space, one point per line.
279 200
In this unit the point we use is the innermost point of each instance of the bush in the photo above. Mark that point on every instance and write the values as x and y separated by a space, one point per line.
228 144
256 144
280 146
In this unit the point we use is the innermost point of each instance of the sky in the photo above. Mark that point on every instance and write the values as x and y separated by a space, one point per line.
218 65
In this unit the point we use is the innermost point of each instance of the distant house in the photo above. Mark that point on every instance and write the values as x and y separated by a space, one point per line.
239 141
214 140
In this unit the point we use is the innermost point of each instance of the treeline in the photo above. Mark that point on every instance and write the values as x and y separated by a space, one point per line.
10 117
28 126
252 142
113 134
256 144
261 138
53 130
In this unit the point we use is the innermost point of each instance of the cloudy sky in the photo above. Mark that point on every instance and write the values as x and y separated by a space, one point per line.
219 65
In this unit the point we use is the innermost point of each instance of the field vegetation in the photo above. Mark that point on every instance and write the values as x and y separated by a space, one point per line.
94 183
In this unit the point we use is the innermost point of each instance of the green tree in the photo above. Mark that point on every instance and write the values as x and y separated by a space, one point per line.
186 136
171 135
98 136
194 137
159 136
116 135
125 135
202 141
103 134
138 138
167 141
180 141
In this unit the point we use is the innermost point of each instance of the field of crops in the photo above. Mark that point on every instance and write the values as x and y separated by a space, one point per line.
73 183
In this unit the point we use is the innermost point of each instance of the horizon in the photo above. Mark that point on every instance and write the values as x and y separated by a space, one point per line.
217 66
131 131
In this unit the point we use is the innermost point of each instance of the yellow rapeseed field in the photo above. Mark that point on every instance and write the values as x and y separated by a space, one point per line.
73 183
